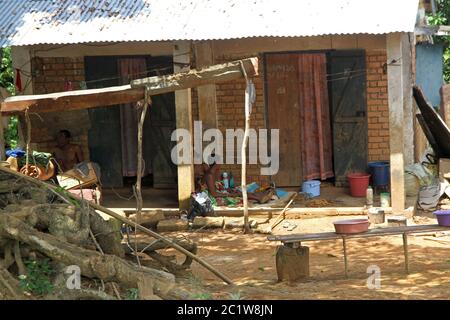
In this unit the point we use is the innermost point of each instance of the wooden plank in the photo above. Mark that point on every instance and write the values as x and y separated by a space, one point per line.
73 100
371 233
84 99
207 104
437 126
428 134
183 110
396 119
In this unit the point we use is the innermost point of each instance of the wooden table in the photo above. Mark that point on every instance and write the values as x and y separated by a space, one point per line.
294 240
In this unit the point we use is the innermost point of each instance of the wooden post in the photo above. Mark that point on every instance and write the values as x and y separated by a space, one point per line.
408 106
248 103
344 245
183 109
395 62
405 251
207 106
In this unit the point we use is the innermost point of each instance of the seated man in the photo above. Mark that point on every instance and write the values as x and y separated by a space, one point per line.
67 154
207 174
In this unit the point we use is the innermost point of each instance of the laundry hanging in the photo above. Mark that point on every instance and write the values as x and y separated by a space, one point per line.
316 136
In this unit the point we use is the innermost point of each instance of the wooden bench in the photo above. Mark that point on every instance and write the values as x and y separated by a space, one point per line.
295 240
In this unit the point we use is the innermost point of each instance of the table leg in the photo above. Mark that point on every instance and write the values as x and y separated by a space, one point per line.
345 256
405 251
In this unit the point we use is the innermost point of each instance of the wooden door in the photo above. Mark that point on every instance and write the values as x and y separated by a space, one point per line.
159 130
284 114
104 136
347 83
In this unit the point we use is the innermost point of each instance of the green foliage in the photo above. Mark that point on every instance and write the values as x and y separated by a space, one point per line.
132 294
12 133
6 71
236 296
37 281
202 296
442 17
7 82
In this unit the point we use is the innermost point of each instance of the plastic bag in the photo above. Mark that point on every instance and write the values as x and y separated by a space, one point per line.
200 205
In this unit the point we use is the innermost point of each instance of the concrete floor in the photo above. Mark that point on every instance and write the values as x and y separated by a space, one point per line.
331 196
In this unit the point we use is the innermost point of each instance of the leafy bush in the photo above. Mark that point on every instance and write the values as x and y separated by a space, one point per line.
37 281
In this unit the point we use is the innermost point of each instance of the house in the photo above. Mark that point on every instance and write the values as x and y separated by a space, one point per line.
335 77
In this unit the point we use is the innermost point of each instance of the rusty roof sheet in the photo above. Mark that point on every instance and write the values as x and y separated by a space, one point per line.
31 22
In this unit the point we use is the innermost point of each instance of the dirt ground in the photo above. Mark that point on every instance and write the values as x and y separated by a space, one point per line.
249 260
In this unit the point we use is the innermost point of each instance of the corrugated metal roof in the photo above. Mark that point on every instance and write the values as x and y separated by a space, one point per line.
29 22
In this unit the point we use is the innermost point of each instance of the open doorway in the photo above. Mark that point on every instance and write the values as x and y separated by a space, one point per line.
318 102
113 133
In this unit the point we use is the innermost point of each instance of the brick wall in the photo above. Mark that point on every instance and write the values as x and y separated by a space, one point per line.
51 75
377 106
230 115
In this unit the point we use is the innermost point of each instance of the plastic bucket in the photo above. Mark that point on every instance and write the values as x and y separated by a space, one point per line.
380 173
443 217
358 184
311 187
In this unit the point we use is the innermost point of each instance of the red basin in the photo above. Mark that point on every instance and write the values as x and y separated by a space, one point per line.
351 226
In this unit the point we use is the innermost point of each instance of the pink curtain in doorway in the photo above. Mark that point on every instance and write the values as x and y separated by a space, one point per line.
316 136
130 69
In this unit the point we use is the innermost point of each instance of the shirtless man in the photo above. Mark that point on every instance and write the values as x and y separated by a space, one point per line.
67 154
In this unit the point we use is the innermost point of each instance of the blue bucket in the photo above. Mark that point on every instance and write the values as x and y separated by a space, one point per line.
311 187
380 173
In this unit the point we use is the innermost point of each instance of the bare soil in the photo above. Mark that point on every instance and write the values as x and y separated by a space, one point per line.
249 260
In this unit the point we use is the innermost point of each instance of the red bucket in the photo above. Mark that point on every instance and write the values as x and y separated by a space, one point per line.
358 184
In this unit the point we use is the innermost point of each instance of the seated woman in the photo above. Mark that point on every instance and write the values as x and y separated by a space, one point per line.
208 174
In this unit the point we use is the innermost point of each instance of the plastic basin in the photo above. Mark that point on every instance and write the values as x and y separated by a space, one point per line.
351 226
443 217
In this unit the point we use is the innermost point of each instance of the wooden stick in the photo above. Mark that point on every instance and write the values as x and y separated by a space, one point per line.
244 155
140 159
405 251
282 213
117 216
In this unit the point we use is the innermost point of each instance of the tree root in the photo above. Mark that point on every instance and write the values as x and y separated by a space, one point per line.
91 263
18 259
11 285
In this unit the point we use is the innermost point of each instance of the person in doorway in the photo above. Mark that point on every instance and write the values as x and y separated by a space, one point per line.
67 154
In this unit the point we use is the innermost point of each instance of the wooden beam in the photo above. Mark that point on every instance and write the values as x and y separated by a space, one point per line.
207 104
84 99
197 77
73 100
408 106
395 63
183 110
